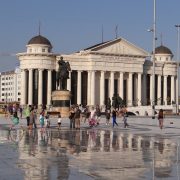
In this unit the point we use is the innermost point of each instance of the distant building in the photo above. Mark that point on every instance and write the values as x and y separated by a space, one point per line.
98 72
10 86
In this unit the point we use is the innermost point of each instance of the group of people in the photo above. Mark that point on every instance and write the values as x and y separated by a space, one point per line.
77 115
93 116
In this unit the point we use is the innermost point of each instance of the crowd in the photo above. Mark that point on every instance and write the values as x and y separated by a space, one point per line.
78 114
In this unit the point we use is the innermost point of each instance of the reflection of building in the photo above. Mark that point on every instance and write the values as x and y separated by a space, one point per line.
101 153
115 66
10 86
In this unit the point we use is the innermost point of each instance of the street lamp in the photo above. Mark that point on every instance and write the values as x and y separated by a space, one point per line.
177 81
153 60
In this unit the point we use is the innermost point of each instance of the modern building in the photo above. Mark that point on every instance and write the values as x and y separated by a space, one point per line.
10 86
98 72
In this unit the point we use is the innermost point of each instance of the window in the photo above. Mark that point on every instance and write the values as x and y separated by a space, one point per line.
19 93
43 50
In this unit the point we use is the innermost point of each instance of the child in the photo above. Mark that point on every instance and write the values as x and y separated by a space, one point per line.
47 121
125 120
59 121
41 120
15 120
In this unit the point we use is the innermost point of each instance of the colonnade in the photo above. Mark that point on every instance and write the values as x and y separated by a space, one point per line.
140 87
136 87
27 86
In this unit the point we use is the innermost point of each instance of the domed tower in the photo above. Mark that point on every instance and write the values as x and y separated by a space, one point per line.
37 66
163 54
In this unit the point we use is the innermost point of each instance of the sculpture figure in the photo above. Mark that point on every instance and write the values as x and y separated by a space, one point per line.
62 74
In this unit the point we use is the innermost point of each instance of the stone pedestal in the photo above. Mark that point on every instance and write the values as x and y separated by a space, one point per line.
61 102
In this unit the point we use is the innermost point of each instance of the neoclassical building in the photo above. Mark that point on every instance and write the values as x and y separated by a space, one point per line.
98 72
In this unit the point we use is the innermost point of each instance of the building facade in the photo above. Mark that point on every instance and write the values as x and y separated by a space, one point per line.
99 72
10 86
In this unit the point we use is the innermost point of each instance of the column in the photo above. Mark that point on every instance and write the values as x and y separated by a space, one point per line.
79 88
30 89
165 90
130 90
121 85
144 89
102 88
111 84
139 89
49 90
89 89
172 89
151 88
159 90
69 82
93 88
23 87
40 87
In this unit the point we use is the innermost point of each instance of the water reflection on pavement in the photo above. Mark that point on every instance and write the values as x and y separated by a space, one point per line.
87 154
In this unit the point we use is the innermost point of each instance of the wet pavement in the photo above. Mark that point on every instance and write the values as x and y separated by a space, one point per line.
141 151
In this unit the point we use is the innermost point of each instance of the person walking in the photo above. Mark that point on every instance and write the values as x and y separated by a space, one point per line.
108 115
125 120
27 114
114 114
59 121
161 118
41 121
71 118
77 117
98 114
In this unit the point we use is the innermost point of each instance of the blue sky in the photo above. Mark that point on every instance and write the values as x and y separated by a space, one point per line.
72 25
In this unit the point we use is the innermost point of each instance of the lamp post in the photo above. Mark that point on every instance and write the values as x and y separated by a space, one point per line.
177 81
153 60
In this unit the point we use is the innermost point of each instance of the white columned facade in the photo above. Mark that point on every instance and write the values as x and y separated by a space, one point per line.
102 88
30 89
79 88
165 90
159 97
89 89
144 89
151 88
40 87
130 89
111 84
121 85
49 91
93 88
69 82
23 87
139 89
172 89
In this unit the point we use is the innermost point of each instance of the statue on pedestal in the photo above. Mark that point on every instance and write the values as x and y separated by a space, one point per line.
62 74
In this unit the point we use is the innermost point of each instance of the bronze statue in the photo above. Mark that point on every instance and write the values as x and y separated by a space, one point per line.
62 74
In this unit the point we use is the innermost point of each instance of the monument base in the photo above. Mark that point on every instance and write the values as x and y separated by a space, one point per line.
61 102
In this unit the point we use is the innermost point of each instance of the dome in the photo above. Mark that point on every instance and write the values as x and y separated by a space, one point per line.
39 40
163 50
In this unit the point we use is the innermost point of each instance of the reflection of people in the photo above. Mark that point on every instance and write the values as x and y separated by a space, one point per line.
161 118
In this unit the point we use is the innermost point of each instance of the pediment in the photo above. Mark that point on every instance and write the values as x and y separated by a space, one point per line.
118 46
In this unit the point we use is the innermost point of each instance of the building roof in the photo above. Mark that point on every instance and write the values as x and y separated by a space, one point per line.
39 40
163 50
